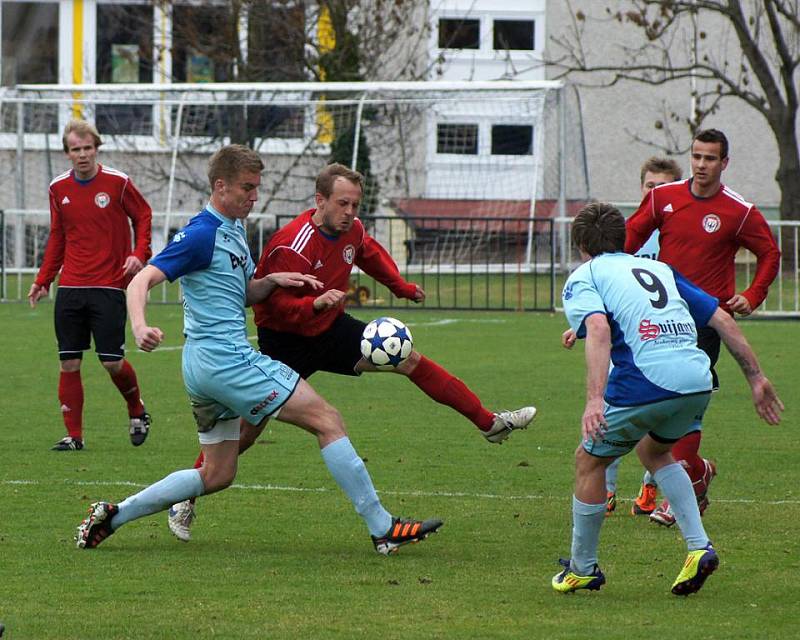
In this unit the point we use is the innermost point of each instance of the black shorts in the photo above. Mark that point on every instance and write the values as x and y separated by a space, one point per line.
336 350
708 340
84 312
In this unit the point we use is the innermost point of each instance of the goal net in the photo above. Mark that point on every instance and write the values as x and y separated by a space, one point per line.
458 174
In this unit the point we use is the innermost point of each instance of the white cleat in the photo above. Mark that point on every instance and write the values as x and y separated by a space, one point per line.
180 517
507 421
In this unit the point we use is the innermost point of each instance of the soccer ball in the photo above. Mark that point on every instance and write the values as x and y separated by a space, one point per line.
386 342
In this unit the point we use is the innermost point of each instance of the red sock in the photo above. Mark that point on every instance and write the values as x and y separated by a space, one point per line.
445 388
685 451
128 386
70 395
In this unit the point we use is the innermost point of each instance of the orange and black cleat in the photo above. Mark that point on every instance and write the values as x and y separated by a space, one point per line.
645 503
96 526
403 532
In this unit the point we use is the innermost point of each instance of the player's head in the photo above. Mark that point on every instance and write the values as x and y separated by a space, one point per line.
234 173
709 158
81 129
657 171
338 197
80 141
599 228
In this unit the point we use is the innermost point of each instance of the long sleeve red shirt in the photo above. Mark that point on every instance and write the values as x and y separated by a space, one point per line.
302 246
699 237
90 230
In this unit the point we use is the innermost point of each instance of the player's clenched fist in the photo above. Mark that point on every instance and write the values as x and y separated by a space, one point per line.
148 338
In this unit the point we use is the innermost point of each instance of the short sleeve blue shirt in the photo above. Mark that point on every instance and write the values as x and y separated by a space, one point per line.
211 257
653 313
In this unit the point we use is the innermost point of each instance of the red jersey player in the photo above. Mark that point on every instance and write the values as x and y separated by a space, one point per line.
309 330
702 225
92 208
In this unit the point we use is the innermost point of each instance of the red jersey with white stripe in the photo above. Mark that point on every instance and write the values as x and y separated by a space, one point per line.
302 246
700 238
90 230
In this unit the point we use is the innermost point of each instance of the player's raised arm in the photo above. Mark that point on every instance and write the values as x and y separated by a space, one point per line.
147 338
767 403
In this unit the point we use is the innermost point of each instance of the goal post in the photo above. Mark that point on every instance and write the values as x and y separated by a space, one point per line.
464 169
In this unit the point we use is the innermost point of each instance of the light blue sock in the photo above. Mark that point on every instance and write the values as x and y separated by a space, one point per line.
677 488
612 471
176 487
586 522
352 476
648 478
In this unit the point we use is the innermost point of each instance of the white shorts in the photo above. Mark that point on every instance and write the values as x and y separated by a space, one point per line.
223 430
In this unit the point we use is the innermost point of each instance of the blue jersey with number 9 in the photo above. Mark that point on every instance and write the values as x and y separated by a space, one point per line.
654 313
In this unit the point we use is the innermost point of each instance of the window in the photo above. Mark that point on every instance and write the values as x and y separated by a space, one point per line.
455 33
30 56
512 140
276 53
457 138
203 43
124 55
513 34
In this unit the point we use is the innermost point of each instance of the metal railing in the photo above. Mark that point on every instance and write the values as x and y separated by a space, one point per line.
493 263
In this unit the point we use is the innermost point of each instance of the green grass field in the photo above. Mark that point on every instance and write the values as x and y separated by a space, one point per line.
283 555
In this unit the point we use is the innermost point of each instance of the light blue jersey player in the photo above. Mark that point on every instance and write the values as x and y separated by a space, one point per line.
643 317
654 172
226 378
212 259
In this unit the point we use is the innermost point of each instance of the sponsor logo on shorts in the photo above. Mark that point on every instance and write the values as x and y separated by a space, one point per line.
272 395
285 372
711 223
349 253
651 330
102 199
623 444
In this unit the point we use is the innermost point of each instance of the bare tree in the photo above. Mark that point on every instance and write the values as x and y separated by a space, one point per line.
747 50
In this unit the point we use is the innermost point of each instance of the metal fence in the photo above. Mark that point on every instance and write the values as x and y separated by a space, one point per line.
479 263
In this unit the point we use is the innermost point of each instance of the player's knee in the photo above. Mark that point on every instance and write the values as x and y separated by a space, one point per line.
112 366
70 366
328 422
217 478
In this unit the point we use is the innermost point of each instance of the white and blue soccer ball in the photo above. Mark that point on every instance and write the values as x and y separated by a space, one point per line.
386 342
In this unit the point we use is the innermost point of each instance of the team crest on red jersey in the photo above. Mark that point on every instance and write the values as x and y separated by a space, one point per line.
711 223
102 199
349 253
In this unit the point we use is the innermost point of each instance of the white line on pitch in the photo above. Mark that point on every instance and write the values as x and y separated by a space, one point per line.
424 494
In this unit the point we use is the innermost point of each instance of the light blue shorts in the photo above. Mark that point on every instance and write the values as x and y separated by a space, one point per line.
227 380
665 421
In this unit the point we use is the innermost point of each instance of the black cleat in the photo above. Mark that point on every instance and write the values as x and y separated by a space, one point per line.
403 532
140 427
68 444
96 526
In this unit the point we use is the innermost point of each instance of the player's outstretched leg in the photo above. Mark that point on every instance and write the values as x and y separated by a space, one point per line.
506 422
96 526
403 531
699 564
567 581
